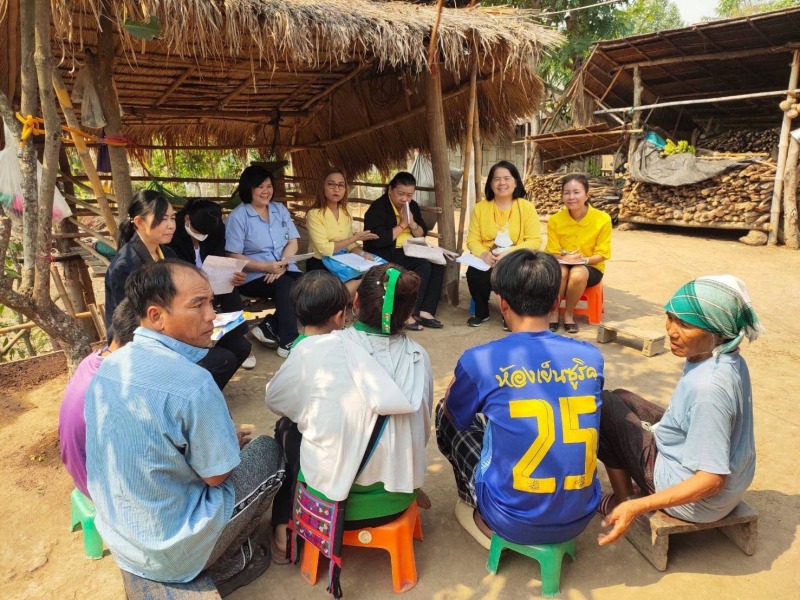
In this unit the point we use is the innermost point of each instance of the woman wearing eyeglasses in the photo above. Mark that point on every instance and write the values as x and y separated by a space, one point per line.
330 226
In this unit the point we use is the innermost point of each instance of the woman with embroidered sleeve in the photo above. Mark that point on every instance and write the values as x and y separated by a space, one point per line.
579 236
696 459
261 232
505 221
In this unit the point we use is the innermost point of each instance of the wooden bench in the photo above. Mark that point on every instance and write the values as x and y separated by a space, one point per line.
650 532
652 342
200 588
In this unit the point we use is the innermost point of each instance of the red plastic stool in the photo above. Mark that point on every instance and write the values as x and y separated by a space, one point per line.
397 538
593 299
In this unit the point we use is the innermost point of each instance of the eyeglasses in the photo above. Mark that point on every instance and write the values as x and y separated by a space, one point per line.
335 186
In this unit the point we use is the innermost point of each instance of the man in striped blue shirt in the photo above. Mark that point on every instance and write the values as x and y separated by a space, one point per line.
176 489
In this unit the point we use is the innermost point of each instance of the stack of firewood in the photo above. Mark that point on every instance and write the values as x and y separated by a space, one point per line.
743 140
735 199
545 192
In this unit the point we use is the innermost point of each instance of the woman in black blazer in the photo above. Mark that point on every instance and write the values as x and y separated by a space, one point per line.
199 233
395 217
142 238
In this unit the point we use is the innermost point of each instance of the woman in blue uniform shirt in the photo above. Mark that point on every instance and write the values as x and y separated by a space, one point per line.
262 232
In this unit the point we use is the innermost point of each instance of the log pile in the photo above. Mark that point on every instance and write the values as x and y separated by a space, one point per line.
736 199
743 140
545 192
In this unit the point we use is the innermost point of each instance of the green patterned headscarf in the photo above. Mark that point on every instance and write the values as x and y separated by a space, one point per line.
719 304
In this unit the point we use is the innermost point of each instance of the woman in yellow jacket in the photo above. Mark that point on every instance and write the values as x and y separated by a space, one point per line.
579 236
505 221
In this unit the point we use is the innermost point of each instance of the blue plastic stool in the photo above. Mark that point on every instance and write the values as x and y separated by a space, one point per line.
549 557
83 513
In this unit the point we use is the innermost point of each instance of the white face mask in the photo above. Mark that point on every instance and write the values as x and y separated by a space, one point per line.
198 236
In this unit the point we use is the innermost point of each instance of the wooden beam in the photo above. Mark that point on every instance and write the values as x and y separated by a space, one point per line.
783 148
441 174
792 92
174 86
83 153
726 55
246 83
393 121
334 86
260 116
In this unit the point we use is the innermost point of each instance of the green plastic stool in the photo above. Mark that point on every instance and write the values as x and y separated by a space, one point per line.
83 513
549 557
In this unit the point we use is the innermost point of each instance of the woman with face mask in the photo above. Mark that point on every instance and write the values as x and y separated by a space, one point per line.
200 232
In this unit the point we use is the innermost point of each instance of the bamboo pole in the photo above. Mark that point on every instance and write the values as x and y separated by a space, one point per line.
94 232
83 154
637 115
791 235
783 148
31 324
607 111
62 291
468 160
441 174
476 147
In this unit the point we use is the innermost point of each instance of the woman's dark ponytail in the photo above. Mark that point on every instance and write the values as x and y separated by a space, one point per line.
143 203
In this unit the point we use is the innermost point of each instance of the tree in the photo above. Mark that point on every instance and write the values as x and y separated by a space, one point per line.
32 297
648 16
742 8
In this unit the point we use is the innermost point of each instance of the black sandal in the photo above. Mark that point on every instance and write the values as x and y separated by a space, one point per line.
252 571
554 326
414 326
571 327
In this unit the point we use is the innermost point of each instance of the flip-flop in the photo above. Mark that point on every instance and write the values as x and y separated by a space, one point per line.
465 516
252 571
414 326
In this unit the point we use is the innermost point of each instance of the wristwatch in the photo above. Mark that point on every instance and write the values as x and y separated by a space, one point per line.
586 261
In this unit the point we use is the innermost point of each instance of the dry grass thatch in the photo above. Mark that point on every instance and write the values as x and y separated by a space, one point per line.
342 77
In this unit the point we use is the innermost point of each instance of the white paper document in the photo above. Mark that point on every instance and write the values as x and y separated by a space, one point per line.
473 261
298 257
355 261
220 270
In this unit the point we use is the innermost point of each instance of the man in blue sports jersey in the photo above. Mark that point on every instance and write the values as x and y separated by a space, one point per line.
520 420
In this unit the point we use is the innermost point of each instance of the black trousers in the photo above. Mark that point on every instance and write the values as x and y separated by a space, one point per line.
431 279
228 354
480 288
284 320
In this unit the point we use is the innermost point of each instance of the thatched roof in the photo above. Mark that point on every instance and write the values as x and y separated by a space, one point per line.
342 77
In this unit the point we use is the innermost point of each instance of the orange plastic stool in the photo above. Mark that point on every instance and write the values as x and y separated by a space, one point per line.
395 537
593 299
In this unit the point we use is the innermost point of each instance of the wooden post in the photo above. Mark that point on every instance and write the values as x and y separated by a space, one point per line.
467 147
476 146
783 147
83 153
637 115
101 66
441 174
791 235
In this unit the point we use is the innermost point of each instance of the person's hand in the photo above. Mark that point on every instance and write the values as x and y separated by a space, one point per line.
404 220
489 258
244 434
276 267
270 277
365 235
238 279
368 256
619 520
573 258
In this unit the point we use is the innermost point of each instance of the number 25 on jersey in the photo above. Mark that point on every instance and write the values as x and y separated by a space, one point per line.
571 408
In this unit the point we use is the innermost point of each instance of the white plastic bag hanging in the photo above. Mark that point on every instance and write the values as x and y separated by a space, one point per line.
11 182
85 94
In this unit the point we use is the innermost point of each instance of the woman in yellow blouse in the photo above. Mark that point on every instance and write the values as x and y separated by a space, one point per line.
578 235
505 221
330 226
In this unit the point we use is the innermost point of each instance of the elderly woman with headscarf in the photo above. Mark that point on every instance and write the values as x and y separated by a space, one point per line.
696 459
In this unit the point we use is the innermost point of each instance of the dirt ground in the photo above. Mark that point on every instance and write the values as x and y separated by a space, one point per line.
42 559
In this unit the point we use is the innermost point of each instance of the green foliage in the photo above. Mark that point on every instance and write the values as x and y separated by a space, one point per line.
743 8
648 16
205 164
